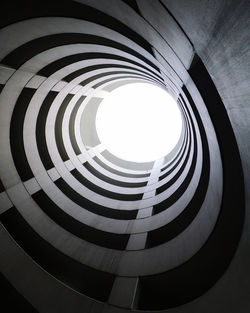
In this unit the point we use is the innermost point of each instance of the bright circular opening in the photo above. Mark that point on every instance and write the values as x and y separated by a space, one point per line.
139 122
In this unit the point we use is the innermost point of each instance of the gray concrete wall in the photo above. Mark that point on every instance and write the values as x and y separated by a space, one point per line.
82 230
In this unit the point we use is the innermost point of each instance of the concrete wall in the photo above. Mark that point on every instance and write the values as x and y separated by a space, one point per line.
82 230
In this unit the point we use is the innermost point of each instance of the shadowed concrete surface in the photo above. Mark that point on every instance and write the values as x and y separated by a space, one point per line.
84 231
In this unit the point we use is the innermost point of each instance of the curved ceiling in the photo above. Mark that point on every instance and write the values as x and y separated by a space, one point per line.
83 228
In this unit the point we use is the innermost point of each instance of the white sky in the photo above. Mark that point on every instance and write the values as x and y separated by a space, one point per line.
139 122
